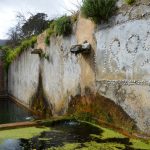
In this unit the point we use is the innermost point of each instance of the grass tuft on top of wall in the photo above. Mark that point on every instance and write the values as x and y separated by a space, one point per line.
61 26
98 10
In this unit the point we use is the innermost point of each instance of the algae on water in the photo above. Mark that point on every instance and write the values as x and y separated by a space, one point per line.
25 133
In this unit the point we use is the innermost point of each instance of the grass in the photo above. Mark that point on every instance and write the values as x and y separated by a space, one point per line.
25 133
98 10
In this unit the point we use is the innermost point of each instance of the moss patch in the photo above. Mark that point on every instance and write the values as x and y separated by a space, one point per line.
11 54
97 109
25 133
138 144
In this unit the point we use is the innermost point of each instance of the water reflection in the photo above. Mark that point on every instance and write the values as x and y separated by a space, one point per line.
10 112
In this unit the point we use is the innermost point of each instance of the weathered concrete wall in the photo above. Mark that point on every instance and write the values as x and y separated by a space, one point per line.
123 62
61 74
23 76
2 75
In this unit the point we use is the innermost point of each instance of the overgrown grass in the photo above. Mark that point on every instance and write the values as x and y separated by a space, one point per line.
129 2
98 10
11 54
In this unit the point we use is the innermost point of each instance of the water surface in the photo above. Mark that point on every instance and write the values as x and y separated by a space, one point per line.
11 112
71 132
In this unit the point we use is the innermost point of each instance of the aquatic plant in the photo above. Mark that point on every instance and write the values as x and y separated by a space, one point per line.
98 10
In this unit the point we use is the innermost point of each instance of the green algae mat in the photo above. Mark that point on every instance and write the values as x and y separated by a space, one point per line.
68 135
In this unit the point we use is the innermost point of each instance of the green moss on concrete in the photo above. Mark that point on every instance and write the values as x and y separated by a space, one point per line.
97 109
107 133
67 146
138 144
25 133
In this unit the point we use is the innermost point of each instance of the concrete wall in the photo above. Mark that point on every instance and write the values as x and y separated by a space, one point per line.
60 74
23 76
123 61
118 66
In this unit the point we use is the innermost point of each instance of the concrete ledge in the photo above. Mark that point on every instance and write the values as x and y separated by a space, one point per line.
17 124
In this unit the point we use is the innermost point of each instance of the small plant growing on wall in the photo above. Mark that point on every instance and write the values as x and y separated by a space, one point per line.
47 38
63 26
49 32
98 10
129 2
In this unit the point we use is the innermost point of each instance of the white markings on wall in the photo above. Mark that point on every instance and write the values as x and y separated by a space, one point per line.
124 49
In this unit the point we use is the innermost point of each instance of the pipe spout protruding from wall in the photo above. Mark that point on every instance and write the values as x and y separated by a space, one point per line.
81 48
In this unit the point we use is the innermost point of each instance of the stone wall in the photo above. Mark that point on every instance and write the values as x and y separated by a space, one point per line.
123 61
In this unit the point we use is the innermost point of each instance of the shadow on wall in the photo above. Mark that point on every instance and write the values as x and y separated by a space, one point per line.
100 109
39 102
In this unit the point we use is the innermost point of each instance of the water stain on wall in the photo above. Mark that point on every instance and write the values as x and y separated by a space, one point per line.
39 102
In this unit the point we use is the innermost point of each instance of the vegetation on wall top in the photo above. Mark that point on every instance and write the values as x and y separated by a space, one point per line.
98 10
11 54
61 26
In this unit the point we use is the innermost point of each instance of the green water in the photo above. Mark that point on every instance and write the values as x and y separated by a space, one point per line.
68 135
10 112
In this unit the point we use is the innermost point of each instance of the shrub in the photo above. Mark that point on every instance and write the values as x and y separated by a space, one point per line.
63 26
129 2
98 10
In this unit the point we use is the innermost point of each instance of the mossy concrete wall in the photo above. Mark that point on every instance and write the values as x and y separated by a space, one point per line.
117 67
